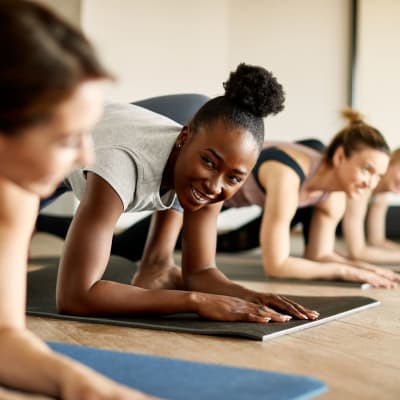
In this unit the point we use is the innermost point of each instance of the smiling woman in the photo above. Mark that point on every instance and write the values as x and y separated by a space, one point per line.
365 219
294 183
51 85
212 170
145 161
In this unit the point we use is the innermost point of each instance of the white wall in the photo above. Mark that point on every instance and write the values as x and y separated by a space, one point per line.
378 66
69 9
305 43
160 47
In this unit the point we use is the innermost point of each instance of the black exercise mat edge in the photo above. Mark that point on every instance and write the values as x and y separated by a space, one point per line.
231 271
211 332
44 305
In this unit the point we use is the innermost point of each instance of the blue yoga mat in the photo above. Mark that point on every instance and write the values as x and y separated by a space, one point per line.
174 379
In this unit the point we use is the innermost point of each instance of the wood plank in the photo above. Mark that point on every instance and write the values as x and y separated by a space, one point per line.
356 356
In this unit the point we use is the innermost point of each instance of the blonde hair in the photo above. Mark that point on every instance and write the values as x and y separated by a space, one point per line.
355 136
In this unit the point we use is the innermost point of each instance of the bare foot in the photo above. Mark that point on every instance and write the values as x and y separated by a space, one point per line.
152 278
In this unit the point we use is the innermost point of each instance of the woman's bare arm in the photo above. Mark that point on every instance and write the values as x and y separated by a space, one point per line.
20 351
321 261
376 229
81 289
377 249
157 267
200 272
321 249
282 198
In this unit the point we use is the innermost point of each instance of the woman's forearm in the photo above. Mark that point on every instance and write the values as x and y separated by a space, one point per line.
301 268
391 245
28 364
212 280
108 297
20 355
347 271
388 252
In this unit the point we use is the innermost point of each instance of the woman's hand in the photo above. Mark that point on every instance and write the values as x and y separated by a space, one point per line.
282 303
388 274
383 279
227 308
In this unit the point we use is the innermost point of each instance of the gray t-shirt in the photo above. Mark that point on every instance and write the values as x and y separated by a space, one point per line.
132 146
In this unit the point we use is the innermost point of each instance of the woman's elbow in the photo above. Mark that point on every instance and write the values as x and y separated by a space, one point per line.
273 270
356 253
71 302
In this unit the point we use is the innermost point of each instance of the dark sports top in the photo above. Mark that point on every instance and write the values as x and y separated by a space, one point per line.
253 193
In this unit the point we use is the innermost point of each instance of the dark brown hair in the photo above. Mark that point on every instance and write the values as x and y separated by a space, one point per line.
355 136
43 59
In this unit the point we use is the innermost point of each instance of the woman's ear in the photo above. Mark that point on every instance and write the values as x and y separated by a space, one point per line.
338 156
183 136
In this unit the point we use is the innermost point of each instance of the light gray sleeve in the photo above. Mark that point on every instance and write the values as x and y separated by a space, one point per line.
176 205
119 170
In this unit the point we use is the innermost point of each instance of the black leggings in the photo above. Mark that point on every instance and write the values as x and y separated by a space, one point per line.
130 243
247 237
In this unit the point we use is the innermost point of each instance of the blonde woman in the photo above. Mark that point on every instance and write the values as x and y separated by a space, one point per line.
364 222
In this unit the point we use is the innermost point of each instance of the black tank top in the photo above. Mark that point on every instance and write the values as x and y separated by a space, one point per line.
275 154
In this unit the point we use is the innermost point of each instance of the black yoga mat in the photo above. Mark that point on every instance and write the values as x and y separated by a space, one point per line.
41 302
248 267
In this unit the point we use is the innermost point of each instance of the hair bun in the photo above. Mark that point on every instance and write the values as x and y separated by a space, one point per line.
255 89
353 116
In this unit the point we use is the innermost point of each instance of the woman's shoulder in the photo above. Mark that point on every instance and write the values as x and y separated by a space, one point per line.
118 112
16 203
288 159
298 153
133 129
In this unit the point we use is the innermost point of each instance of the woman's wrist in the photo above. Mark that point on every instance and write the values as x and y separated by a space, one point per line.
195 299
344 272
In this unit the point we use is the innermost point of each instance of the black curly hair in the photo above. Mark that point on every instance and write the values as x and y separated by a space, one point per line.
251 93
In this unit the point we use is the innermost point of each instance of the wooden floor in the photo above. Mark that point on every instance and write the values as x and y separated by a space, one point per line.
358 357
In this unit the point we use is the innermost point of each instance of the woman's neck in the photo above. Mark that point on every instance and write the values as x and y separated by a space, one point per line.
167 181
324 179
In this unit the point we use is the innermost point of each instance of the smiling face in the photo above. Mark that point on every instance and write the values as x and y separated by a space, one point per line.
212 163
361 171
39 157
